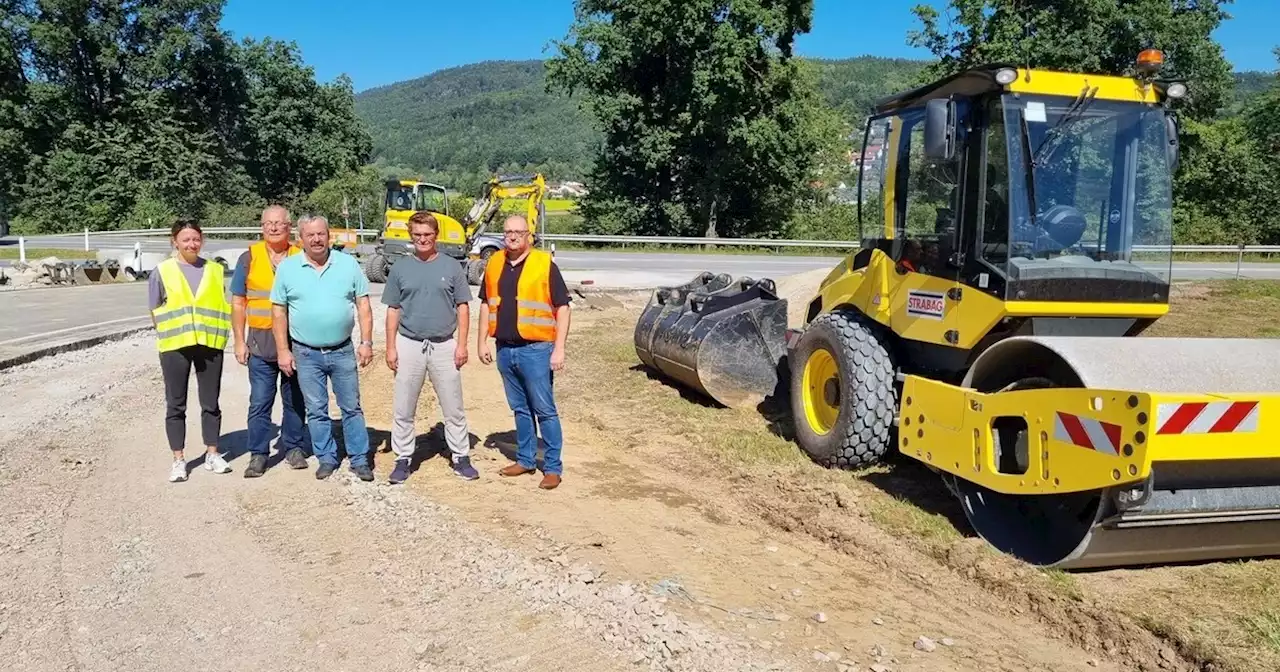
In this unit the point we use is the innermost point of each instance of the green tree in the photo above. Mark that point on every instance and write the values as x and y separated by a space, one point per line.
1262 123
1101 36
117 113
710 125
298 132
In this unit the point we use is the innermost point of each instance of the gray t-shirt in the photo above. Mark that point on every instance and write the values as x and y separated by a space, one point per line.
193 274
428 294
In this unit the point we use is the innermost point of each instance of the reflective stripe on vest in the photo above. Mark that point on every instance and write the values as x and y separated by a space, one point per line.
258 283
535 316
186 319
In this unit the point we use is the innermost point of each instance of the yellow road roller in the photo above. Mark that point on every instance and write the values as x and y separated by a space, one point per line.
1017 237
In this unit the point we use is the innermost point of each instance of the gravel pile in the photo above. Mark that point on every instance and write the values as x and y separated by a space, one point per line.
633 619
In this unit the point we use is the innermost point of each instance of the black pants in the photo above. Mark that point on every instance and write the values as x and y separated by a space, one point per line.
176 367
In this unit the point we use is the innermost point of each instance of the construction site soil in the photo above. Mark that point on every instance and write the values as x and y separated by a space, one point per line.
684 537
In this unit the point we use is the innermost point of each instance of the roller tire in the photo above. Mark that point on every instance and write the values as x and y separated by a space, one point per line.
475 271
375 268
862 432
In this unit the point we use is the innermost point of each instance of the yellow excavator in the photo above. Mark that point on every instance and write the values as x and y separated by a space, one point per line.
1016 242
481 243
403 198
466 240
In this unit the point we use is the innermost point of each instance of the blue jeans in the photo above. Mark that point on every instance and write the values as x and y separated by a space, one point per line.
315 369
264 375
527 377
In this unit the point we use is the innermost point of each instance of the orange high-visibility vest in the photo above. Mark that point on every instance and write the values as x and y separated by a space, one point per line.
536 318
258 284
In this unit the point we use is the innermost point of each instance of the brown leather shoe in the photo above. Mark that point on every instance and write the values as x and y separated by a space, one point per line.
549 481
515 470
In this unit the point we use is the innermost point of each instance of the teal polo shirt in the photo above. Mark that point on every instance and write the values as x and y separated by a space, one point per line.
321 301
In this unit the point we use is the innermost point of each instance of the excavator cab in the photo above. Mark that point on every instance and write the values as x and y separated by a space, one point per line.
1016 243
402 199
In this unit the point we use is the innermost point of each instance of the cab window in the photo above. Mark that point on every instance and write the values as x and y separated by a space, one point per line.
928 193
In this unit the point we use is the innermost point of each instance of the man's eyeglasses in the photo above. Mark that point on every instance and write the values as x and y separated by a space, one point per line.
515 234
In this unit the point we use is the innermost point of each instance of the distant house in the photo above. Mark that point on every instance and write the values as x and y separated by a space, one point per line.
567 189
868 154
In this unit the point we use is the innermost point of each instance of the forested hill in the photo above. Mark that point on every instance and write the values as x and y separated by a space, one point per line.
462 123
496 114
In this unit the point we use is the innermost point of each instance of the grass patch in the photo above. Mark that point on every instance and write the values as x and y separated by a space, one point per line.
1222 308
748 448
900 515
1265 629
1246 289
37 253
1064 584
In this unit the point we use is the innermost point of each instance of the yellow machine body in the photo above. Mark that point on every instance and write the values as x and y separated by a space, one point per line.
1017 239
405 197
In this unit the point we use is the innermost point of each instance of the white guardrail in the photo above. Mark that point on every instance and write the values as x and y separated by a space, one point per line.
1240 250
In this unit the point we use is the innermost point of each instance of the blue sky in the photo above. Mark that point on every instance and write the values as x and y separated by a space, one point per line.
378 43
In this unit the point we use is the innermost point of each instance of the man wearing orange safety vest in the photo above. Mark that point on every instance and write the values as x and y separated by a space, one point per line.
524 307
251 307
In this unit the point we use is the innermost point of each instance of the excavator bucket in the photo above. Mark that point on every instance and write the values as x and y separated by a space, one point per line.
722 338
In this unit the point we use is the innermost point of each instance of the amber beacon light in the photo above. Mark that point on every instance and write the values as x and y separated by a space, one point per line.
1150 60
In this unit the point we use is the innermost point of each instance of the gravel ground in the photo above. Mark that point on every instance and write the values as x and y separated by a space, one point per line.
106 565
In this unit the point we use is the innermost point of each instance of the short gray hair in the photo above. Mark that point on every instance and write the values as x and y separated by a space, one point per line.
276 206
307 219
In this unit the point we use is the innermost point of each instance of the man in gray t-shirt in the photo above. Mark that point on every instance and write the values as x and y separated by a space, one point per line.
427 297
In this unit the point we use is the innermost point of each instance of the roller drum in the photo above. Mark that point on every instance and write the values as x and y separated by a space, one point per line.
1193 511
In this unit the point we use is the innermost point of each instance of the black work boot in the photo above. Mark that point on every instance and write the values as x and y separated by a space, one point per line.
257 466
296 458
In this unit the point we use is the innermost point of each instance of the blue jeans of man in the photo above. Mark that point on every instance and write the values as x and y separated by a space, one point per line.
264 376
528 379
316 368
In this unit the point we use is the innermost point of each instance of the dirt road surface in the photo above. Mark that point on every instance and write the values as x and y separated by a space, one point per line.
647 557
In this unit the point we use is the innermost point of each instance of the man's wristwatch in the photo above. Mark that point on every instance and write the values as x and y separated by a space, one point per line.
368 343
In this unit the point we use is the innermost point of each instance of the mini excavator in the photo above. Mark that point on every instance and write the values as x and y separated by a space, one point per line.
1017 241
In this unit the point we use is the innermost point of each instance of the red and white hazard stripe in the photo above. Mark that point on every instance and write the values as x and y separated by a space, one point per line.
1078 430
1219 417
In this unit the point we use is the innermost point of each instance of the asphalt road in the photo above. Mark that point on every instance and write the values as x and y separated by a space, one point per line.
650 268
40 318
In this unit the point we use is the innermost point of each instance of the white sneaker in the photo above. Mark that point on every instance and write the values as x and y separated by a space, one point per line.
178 472
216 464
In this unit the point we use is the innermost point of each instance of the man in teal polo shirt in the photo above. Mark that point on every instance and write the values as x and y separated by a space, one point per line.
315 298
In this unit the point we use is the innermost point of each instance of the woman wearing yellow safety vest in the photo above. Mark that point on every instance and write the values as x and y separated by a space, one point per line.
192 317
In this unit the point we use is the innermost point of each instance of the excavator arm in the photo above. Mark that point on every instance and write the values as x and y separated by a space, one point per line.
532 188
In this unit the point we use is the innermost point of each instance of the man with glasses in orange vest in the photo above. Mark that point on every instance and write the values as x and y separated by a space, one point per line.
251 307
524 306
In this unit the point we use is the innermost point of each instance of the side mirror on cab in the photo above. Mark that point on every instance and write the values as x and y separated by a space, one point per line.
1171 150
940 129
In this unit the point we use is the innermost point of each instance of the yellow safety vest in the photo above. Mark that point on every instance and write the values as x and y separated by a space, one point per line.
258 283
183 319
535 316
